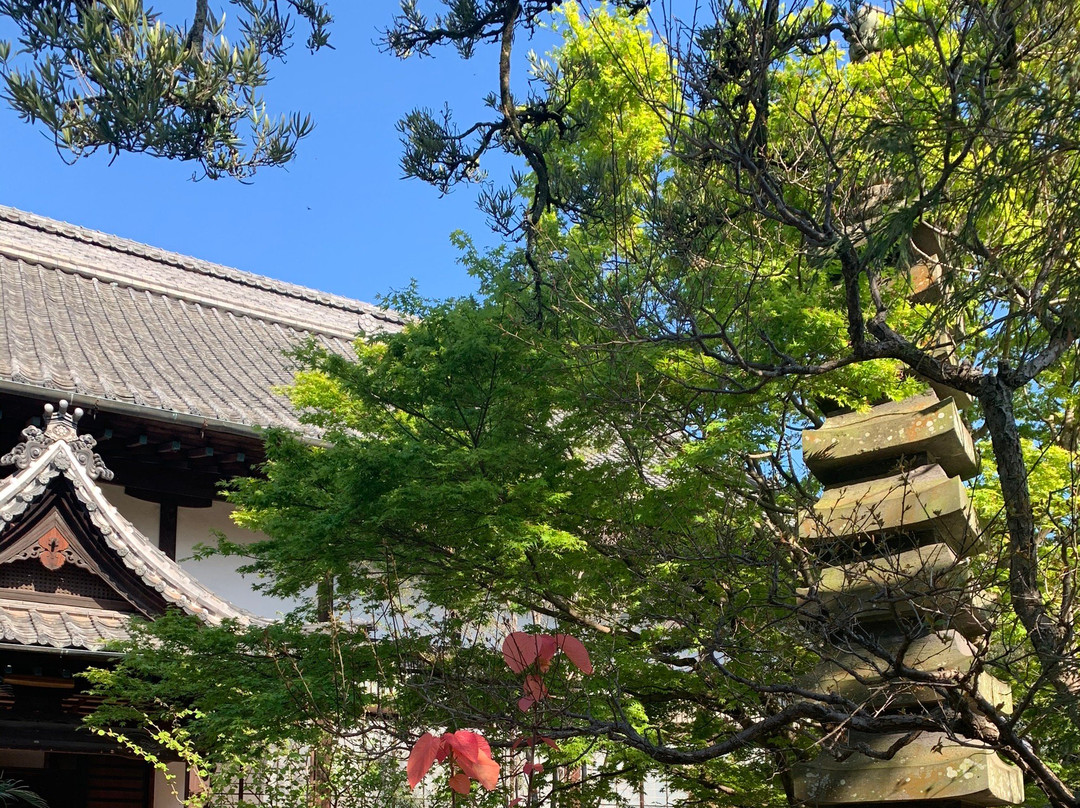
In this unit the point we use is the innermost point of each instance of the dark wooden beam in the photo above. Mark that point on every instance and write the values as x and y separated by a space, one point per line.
167 528
59 736
164 479
38 680
182 501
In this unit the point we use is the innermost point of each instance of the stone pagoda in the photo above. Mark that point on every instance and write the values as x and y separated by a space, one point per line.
896 535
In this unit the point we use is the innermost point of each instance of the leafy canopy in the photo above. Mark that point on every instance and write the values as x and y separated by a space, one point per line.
603 442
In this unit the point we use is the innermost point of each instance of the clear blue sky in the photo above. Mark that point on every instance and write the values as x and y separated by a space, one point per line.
339 218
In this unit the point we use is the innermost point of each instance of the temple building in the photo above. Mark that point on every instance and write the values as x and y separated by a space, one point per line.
133 382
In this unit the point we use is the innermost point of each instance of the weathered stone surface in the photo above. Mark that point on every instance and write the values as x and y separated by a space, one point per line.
850 446
922 499
927 270
928 585
931 767
970 614
865 677
962 400
862 584
925 274
928 240
933 568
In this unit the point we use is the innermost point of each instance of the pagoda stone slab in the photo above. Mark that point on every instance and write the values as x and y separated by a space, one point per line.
925 499
944 348
971 615
925 570
925 280
931 767
866 678
963 401
926 586
917 426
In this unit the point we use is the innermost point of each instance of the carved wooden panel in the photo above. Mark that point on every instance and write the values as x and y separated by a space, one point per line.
30 580
51 540
52 545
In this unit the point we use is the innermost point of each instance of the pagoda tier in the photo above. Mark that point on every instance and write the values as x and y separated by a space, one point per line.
929 768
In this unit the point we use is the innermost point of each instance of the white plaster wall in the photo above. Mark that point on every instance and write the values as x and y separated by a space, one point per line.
196 526
654 795
168 786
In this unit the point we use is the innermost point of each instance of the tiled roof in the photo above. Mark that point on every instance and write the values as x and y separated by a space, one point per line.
104 318
58 452
29 623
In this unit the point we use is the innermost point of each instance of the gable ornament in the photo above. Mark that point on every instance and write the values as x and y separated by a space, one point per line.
61 425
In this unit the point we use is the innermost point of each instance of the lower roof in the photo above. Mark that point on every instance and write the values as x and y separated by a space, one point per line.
55 626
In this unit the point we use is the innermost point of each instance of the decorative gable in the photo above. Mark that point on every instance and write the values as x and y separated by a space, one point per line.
72 568
44 558
50 541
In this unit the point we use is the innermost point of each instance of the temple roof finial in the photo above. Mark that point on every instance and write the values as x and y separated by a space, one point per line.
60 427
60 423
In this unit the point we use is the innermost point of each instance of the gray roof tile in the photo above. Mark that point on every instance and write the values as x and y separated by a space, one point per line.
110 319
31 623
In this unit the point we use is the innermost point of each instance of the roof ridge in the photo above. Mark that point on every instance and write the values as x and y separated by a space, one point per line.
185 262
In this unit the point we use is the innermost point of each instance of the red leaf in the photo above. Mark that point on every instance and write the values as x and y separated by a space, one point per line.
460 783
550 743
487 772
515 802
421 757
548 646
533 768
575 652
525 704
466 745
485 747
483 770
444 750
534 688
520 650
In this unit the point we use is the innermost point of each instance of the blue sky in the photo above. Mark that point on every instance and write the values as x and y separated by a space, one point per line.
340 218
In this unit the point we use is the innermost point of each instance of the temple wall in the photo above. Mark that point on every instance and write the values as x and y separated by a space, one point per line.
196 526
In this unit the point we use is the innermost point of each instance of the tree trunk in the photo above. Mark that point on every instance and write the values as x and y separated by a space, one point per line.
1047 635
